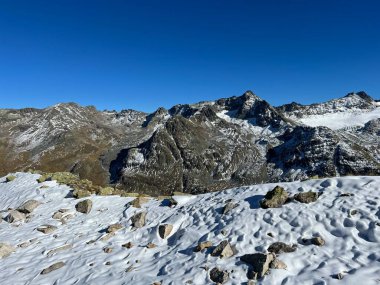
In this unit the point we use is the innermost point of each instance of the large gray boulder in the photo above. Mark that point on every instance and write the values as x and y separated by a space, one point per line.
274 198
259 262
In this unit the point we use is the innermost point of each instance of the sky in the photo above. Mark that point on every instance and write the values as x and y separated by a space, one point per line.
121 54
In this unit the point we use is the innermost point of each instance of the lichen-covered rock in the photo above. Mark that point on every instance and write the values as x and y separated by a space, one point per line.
29 206
260 262
10 178
306 197
274 198
219 276
138 220
165 230
281 247
6 250
53 267
223 250
84 206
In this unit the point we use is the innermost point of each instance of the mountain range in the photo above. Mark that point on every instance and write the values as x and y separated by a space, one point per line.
196 148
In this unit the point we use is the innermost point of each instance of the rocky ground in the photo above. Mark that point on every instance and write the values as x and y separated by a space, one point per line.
322 231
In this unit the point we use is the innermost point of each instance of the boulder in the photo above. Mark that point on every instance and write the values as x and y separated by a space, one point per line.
47 229
53 267
202 246
84 206
6 250
138 220
223 250
29 206
306 197
165 230
260 262
274 198
280 247
15 216
228 207
219 276
114 228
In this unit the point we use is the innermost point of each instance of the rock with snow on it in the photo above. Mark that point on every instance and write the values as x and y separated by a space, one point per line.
53 267
277 264
165 230
228 207
275 198
84 206
15 216
29 206
202 246
138 220
223 250
306 197
114 228
47 229
219 276
260 262
6 250
281 247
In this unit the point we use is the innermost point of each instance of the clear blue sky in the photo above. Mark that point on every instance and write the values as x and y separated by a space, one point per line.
119 54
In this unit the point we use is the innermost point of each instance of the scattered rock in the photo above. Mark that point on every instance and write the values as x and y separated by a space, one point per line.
353 212
228 207
223 250
259 261
338 276
277 264
346 195
306 197
171 202
165 230
128 245
251 282
280 247
318 241
202 246
107 249
84 206
138 220
114 228
6 250
57 215
58 249
139 201
10 178
15 216
29 206
107 236
108 263
53 267
47 229
151 245
219 276
274 198
81 193
270 235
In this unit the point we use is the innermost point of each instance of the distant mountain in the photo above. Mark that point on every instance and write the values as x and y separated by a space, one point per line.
196 148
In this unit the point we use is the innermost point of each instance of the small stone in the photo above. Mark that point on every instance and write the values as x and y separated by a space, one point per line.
228 207
57 215
317 241
29 206
277 264
138 220
107 249
58 249
151 245
108 263
259 261
165 230
84 206
274 198
47 229
280 247
107 236
80 193
139 201
306 197
156 283
128 245
270 235
53 267
338 276
251 282
114 228
223 250
219 276
6 250
202 246
346 195
15 216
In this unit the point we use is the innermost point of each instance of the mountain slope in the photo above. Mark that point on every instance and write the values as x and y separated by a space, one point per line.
348 223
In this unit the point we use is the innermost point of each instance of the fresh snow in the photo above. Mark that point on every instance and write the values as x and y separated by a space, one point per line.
341 120
352 241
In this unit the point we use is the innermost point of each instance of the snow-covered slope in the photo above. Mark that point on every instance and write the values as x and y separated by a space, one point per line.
352 239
